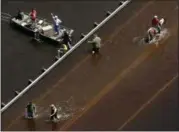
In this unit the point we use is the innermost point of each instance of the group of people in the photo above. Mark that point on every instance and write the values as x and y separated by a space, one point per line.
33 17
32 14
155 29
30 111
96 45
96 42
66 38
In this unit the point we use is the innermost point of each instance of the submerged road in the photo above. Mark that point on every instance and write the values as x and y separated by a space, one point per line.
125 88
23 59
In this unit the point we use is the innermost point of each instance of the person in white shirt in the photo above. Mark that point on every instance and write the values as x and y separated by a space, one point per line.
96 43
57 23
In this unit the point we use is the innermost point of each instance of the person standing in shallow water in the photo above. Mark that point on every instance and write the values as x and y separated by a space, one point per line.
30 110
53 112
96 44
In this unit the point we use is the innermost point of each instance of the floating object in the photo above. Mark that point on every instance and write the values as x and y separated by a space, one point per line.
82 35
30 81
121 2
108 13
2 104
16 92
95 24
43 69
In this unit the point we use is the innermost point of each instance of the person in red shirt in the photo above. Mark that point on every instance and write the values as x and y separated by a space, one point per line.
156 23
33 15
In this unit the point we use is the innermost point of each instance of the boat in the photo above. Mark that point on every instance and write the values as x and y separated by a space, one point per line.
41 29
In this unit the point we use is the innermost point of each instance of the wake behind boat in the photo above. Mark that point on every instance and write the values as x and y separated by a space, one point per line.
40 28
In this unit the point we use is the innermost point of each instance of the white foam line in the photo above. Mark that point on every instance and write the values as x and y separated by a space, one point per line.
65 55
3 13
2 19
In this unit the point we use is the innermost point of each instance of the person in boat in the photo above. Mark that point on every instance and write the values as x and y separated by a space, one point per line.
33 15
20 15
53 112
30 110
57 23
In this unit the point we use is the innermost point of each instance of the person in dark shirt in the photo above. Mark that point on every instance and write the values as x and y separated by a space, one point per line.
66 39
30 110
53 112
19 15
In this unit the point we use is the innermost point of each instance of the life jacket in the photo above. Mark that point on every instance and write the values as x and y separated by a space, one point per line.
65 47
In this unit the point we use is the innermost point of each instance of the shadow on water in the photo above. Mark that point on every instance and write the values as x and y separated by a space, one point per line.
30 35
54 126
43 44
95 59
31 125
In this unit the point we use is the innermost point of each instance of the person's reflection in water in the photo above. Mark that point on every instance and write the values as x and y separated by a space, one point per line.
54 126
95 60
31 125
